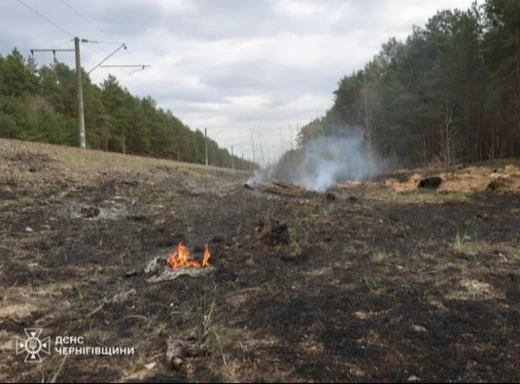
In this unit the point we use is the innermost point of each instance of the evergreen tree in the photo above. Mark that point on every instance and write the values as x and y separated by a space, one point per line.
39 104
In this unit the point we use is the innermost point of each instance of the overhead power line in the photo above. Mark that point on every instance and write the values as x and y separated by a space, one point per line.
79 85
61 44
114 41
45 18
88 20
49 20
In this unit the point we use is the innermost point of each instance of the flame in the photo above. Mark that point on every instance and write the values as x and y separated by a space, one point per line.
181 258
207 255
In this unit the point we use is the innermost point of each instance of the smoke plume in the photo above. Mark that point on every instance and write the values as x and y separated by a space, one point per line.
323 162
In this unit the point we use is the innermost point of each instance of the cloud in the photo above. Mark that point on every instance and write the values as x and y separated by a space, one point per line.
299 9
248 101
247 69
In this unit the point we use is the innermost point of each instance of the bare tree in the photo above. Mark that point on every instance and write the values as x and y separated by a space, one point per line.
448 136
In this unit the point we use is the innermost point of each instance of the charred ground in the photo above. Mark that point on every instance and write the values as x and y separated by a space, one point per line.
396 284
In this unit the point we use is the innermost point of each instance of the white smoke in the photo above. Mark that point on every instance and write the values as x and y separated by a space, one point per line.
325 161
261 175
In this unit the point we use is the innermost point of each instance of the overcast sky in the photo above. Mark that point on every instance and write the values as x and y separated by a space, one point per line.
244 69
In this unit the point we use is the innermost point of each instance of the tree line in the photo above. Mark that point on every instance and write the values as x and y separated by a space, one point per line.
39 104
449 92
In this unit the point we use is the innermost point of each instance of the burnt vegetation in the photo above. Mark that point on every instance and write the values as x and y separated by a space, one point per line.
411 277
385 282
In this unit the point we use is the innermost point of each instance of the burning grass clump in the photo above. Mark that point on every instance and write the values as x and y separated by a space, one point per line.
179 263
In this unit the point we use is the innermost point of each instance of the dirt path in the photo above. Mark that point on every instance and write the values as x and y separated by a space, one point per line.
374 285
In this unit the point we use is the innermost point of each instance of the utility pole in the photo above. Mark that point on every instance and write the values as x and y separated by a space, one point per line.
79 91
79 80
206 137
79 86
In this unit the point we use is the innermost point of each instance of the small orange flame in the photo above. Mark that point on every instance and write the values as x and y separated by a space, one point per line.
181 258
207 255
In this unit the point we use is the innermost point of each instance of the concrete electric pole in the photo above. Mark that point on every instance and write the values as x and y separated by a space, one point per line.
79 86
79 91
79 80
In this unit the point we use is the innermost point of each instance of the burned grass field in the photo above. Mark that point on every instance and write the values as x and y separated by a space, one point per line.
375 281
